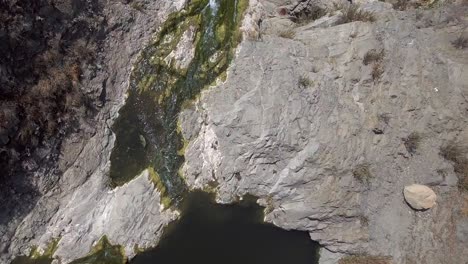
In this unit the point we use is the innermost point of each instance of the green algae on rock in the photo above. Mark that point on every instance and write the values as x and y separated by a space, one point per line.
159 87
104 253
38 257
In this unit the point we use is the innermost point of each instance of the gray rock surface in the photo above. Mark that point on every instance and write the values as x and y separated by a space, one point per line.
296 146
293 121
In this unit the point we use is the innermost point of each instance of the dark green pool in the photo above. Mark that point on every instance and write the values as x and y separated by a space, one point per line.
210 233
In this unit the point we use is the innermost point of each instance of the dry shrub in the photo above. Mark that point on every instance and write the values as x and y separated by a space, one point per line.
290 34
72 100
352 12
377 71
75 72
304 82
270 204
362 173
60 78
7 115
461 42
26 131
82 51
464 207
373 56
456 153
401 5
309 14
8 119
384 117
365 260
252 35
412 142
44 88
48 58
138 6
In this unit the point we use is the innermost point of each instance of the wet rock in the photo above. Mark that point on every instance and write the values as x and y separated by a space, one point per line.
420 197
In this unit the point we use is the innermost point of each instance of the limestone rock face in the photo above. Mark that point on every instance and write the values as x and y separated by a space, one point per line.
297 115
419 197
294 118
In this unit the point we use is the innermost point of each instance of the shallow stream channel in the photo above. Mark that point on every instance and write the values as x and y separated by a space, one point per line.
192 51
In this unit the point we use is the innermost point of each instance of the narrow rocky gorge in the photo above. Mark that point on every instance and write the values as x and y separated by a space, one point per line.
331 114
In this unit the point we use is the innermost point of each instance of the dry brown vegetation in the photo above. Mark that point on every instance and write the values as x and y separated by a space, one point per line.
402 5
41 65
353 13
309 14
365 260
362 173
464 207
377 71
373 56
412 142
304 82
290 34
457 153
461 42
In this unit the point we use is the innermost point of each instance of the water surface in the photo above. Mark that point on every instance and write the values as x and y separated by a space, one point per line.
210 233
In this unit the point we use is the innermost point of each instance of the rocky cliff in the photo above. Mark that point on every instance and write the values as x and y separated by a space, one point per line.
327 112
322 134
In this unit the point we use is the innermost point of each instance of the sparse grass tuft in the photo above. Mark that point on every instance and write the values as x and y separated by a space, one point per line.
401 5
290 34
464 207
137 6
364 220
453 152
353 13
364 259
456 153
362 173
270 205
304 82
252 35
384 117
412 142
165 199
377 71
461 42
373 56
309 14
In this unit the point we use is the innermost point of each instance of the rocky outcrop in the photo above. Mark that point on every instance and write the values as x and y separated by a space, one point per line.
419 197
300 112
77 204
325 122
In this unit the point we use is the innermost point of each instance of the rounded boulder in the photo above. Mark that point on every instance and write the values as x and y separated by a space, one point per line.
419 197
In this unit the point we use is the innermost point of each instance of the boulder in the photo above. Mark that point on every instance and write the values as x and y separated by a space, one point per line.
419 197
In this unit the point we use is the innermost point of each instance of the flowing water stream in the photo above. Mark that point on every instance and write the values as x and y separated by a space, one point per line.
147 132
